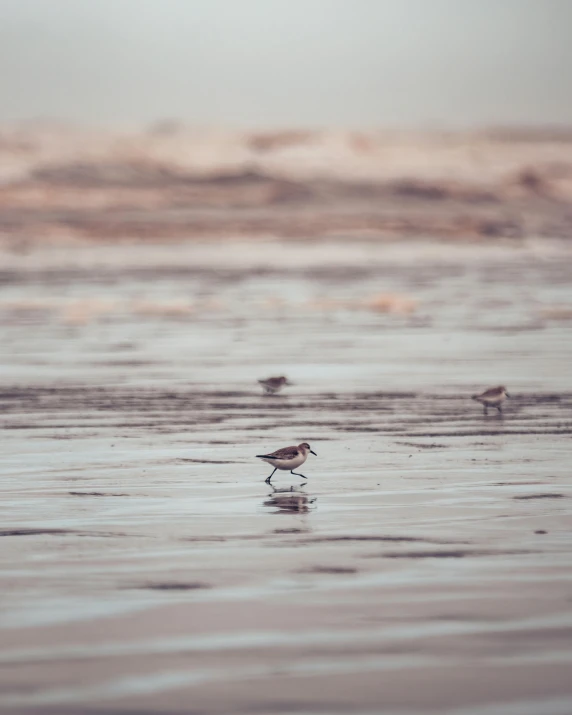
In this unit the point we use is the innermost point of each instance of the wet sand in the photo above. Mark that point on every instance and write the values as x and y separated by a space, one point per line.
424 567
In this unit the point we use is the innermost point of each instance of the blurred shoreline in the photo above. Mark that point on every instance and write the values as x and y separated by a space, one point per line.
63 184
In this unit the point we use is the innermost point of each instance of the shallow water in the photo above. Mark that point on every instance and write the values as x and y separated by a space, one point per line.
423 567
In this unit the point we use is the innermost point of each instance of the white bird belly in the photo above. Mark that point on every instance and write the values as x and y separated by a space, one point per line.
493 401
287 463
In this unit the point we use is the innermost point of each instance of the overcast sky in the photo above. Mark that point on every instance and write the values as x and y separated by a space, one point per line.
262 63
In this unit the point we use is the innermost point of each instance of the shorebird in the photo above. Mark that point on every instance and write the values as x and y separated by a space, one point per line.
272 385
288 458
493 397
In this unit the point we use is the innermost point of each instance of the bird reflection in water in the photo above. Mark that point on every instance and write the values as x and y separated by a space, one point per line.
289 500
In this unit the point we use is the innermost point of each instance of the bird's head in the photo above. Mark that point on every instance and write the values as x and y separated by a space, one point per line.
305 447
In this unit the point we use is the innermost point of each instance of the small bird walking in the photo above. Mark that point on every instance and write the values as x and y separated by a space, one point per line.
288 458
272 385
493 397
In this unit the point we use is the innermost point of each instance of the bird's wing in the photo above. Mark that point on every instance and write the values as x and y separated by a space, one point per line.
491 392
284 453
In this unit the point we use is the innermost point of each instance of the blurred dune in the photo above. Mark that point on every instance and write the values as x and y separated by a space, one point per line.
171 182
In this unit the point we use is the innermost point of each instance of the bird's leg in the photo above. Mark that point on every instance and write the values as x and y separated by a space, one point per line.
485 410
297 474
267 480
499 408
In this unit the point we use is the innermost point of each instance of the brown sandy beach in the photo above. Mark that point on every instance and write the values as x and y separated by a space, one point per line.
172 182
146 567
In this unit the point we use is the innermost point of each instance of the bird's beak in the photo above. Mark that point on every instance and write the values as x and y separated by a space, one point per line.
312 451
506 393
